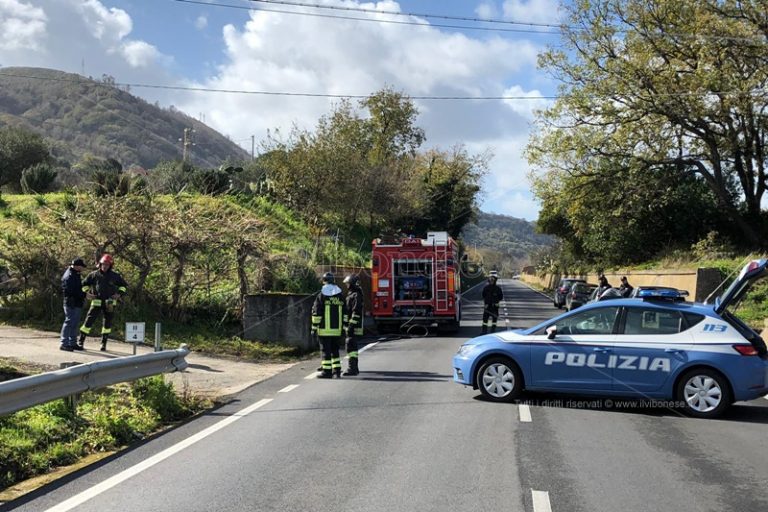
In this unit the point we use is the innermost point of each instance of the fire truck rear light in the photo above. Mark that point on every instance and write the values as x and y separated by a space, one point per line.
376 304
745 350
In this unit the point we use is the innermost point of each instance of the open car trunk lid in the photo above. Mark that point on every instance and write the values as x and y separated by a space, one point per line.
751 273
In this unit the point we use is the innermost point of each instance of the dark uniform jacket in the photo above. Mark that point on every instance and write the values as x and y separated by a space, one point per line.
104 284
492 294
355 303
71 285
329 313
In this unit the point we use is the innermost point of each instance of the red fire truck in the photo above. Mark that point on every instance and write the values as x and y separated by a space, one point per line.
416 282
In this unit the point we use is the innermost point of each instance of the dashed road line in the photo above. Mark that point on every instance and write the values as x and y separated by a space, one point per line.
525 413
287 389
79 499
541 501
311 376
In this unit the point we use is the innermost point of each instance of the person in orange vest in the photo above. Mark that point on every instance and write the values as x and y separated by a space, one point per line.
104 287
329 318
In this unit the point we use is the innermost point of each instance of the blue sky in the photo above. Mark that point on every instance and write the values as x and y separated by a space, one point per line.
204 45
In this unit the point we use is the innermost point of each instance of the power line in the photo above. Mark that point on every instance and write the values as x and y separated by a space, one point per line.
409 14
374 20
557 29
755 92
275 93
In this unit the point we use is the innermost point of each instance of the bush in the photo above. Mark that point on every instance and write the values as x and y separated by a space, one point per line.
160 396
38 179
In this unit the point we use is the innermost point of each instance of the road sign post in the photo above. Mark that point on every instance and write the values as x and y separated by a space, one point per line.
134 333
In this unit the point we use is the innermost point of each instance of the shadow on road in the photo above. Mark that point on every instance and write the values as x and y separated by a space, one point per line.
742 412
404 376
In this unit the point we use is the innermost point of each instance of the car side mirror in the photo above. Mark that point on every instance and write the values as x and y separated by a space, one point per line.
551 332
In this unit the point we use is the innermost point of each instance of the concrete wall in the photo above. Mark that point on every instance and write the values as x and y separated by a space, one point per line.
279 318
699 282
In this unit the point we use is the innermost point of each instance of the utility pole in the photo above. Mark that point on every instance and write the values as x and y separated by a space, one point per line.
253 147
186 142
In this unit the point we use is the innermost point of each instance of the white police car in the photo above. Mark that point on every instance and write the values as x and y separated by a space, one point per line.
655 346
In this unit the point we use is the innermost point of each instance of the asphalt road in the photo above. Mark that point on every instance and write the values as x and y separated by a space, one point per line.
403 437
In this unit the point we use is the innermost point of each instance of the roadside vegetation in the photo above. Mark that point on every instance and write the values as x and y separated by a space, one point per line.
39 439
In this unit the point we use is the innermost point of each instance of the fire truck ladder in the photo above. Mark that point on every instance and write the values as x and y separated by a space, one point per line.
441 275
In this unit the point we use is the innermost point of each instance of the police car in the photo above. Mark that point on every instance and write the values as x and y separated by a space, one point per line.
654 346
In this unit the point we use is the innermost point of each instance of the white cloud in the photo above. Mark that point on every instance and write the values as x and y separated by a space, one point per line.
109 25
525 107
487 10
22 25
201 22
65 34
140 54
534 11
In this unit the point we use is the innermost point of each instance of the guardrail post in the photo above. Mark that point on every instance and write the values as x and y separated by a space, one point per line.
158 344
70 400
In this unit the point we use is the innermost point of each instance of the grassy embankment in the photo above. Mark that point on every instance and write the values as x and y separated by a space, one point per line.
207 318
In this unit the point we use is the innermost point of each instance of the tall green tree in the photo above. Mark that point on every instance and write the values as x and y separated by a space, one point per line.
19 149
653 84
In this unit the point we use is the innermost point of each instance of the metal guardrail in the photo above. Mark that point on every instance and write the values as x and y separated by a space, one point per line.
18 394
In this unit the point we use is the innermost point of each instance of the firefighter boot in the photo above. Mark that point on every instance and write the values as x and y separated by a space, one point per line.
325 375
103 343
484 330
337 373
493 328
80 345
352 370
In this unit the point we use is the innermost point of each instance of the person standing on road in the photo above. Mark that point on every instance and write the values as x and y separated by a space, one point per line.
74 300
329 317
354 303
625 289
492 296
104 287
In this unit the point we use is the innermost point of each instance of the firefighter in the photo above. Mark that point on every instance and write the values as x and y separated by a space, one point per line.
104 287
492 296
355 303
329 318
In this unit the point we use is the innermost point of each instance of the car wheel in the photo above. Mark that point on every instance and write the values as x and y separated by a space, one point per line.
704 393
500 380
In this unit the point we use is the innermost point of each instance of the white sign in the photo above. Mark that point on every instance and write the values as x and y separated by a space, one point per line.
134 332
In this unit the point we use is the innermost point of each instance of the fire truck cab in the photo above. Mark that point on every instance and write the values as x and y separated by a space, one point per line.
416 281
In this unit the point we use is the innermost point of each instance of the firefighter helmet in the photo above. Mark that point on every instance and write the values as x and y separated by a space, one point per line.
328 278
352 280
106 258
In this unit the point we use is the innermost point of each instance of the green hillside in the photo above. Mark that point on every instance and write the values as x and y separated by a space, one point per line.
510 236
80 115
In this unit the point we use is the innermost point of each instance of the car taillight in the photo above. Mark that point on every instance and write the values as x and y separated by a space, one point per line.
745 350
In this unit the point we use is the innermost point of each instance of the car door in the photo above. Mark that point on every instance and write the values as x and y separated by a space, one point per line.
652 343
577 357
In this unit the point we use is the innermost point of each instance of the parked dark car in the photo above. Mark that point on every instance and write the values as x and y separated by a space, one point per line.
579 295
562 290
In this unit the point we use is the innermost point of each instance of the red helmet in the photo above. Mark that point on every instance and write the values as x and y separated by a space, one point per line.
106 258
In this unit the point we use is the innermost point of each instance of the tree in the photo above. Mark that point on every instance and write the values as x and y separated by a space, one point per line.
447 184
19 149
659 84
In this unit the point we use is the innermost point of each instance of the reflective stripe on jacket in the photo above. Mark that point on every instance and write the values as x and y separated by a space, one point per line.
329 313
105 284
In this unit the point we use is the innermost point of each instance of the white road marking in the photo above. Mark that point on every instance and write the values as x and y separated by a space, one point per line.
370 345
311 376
525 413
766 397
541 501
117 479
286 389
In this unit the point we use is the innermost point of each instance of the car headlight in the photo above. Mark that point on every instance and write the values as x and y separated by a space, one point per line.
464 350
